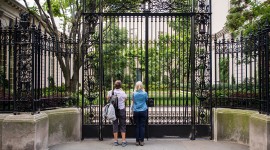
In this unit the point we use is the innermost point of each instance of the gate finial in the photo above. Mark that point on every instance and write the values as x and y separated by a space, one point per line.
25 20
146 6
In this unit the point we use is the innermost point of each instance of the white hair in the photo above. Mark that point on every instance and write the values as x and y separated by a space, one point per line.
138 86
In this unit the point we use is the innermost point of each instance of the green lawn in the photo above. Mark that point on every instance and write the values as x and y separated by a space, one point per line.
161 98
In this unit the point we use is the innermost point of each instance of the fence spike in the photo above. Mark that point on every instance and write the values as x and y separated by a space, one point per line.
39 26
61 37
16 23
33 23
10 22
45 34
241 34
53 38
250 34
266 24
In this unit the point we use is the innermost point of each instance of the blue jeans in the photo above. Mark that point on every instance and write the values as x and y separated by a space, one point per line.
140 119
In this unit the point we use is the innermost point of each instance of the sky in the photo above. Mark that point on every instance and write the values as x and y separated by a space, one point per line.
219 13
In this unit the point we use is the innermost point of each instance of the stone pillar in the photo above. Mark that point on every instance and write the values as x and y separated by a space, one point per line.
232 125
64 125
2 117
259 132
25 132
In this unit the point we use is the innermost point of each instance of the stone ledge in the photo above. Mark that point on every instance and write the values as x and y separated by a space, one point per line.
232 125
259 132
64 125
242 126
2 117
25 131
39 131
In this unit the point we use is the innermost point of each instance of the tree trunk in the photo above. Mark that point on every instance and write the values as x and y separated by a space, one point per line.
75 77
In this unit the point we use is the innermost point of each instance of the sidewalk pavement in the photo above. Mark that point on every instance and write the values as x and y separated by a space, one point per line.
151 144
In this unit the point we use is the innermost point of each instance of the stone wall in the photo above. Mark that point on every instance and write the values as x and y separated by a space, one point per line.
243 127
39 131
25 131
259 132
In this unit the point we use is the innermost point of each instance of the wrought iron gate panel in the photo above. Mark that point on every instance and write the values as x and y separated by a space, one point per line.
168 49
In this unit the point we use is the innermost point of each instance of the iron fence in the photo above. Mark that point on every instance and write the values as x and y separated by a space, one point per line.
241 78
32 76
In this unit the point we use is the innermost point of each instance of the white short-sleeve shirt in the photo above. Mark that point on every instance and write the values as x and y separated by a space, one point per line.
122 96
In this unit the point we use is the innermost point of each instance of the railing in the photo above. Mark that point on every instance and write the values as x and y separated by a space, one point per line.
241 72
32 76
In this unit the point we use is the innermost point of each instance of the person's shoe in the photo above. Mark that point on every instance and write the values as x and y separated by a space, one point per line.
142 143
137 143
124 144
115 143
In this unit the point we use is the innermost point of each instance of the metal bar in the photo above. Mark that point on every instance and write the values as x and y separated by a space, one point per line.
216 63
210 67
146 66
179 70
83 54
267 70
45 64
33 65
101 74
39 63
192 78
10 46
16 41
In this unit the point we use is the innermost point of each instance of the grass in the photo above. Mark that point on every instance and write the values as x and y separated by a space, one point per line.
161 98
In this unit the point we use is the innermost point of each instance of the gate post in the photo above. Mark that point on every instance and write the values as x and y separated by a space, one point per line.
202 63
192 59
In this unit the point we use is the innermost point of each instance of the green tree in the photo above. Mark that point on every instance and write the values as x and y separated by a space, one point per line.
247 15
114 44
71 12
174 57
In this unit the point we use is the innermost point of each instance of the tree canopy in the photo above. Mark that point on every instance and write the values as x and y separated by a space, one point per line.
71 14
247 15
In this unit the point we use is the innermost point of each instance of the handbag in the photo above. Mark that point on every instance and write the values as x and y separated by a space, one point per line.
150 102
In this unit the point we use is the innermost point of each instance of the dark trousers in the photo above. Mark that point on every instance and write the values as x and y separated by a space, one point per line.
140 119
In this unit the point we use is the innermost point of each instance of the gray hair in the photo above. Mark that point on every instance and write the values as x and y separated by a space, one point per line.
138 86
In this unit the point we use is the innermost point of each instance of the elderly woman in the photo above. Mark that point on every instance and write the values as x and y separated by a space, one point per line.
140 112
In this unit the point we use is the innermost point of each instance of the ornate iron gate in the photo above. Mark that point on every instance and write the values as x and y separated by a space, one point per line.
164 43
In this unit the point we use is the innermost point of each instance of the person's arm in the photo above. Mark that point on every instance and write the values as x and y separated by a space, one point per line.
146 96
108 96
124 96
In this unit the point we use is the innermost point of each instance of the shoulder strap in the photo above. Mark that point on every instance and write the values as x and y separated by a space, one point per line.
113 91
